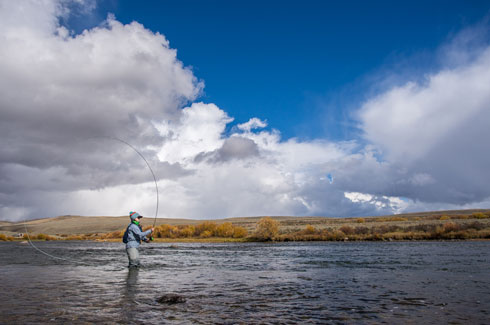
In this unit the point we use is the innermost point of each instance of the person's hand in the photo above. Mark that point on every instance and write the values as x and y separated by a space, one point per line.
152 229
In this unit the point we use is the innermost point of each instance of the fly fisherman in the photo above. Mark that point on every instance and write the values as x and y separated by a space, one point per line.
132 238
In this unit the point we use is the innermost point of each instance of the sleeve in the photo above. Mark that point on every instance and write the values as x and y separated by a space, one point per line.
136 230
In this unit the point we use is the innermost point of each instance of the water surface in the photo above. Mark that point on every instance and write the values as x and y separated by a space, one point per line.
287 283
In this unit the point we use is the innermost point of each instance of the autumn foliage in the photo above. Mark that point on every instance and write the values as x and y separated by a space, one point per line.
206 229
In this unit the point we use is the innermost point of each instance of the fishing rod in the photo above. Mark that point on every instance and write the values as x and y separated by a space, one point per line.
151 170
156 209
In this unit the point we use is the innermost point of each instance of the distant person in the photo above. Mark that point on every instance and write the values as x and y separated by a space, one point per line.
132 238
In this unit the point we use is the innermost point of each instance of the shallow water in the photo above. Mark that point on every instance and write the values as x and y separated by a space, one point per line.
353 282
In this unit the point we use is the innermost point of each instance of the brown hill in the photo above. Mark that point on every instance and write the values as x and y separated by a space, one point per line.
77 225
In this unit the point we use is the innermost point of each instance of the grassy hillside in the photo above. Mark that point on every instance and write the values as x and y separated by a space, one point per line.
474 223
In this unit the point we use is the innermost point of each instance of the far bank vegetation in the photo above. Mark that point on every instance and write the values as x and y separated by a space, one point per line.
403 227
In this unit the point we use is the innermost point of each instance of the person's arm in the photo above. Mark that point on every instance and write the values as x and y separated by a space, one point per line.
146 239
136 230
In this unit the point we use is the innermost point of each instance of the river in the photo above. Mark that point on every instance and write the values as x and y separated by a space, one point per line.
248 283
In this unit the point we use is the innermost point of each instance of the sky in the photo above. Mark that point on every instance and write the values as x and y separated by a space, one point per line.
243 108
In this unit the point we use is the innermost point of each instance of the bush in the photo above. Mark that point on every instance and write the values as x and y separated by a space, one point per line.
450 226
397 219
187 231
267 229
240 232
309 230
43 237
114 234
75 237
361 220
479 215
224 230
475 225
205 226
166 231
348 230
444 218
206 234
3 237
361 230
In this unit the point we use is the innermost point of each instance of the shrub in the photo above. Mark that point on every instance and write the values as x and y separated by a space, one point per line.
75 237
205 226
384 229
240 232
114 234
267 229
361 230
206 234
421 228
479 215
187 231
334 235
3 237
361 220
444 218
166 231
397 219
475 225
224 230
348 230
450 226
309 230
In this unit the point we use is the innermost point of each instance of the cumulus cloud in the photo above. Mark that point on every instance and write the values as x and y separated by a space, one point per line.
253 123
65 97
252 172
434 133
59 93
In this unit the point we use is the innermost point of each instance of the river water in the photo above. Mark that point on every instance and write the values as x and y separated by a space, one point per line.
286 283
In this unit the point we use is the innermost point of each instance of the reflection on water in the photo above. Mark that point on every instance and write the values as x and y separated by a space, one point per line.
129 295
398 282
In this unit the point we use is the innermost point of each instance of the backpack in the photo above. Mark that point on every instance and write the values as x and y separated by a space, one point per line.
125 237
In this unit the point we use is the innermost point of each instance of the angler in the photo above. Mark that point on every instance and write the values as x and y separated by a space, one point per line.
132 238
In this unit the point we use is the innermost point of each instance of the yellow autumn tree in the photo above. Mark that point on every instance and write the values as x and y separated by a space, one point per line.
267 229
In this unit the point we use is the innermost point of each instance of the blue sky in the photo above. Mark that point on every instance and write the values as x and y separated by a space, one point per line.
300 65
244 108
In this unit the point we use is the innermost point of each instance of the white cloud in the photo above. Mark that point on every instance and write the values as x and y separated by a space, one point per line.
409 121
380 203
433 135
427 142
253 123
199 129
244 173
59 92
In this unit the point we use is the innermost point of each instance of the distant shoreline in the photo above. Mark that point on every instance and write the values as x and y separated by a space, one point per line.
439 225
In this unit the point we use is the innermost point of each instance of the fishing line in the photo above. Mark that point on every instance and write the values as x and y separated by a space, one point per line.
156 209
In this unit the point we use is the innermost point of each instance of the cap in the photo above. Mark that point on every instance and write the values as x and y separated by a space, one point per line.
133 215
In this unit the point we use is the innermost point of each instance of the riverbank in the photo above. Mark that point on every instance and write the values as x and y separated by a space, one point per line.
441 225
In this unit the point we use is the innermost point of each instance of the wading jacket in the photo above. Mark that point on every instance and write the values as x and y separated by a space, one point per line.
134 235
